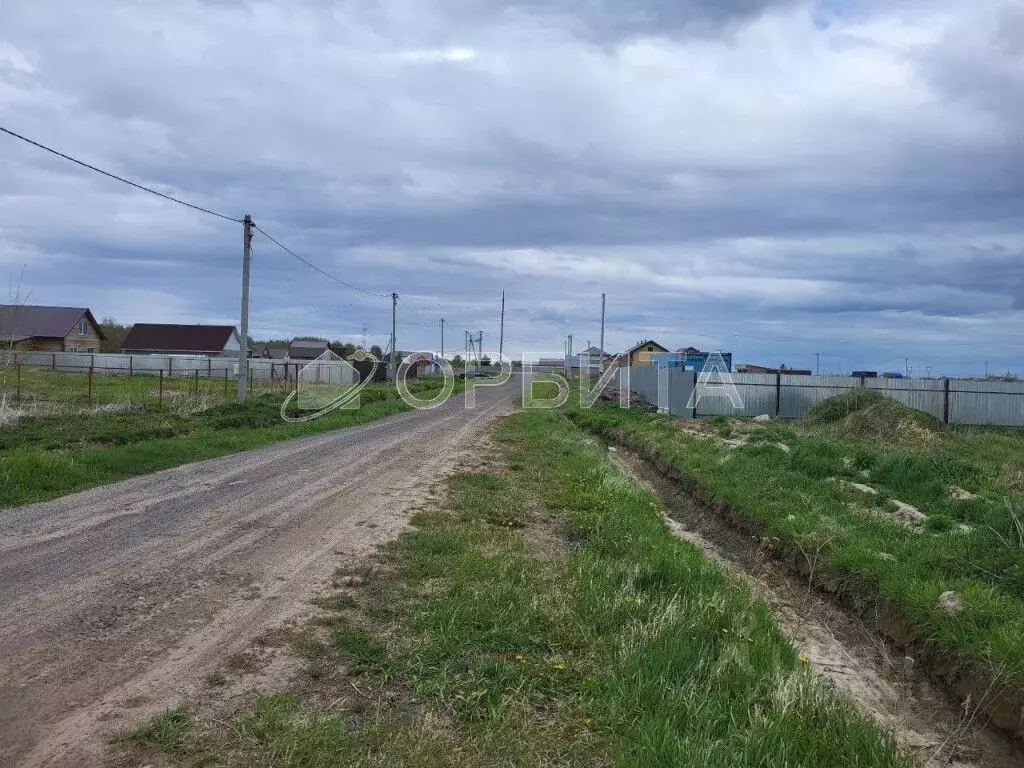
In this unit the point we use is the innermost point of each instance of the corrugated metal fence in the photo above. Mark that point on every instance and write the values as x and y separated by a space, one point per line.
953 401
334 372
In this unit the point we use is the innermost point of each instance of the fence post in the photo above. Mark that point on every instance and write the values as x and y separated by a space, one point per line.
945 401
209 368
170 369
695 376
161 395
778 394
131 365
90 385
197 384
53 364
19 382
225 381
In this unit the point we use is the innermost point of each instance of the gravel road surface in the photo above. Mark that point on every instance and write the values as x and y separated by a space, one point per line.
130 594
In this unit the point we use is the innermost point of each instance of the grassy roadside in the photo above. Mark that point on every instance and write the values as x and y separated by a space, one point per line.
46 457
953 576
543 617
35 386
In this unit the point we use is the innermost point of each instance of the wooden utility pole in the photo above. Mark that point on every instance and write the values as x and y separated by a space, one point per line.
602 326
442 338
501 335
392 367
243 349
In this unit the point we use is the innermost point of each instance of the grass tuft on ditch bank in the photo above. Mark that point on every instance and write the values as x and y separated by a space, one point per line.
44 457
802 488
544 616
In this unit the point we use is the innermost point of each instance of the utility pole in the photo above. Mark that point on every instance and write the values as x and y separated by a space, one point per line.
243 350
501 336
568 360
394 353
817 363
442 338
986 369
479 349
602 325
906 362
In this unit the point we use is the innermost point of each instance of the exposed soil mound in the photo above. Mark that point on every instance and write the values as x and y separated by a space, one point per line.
837 408
865 414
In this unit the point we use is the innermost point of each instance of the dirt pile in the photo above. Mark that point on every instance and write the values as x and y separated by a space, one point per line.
866 414
611 395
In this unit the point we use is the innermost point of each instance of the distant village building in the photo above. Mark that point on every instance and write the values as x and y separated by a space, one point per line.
748 368
307 349
49 329
642 354
177 339
690 359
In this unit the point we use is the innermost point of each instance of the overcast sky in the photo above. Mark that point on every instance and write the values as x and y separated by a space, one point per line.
771 178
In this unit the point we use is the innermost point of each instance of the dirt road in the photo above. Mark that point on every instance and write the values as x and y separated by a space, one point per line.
127 596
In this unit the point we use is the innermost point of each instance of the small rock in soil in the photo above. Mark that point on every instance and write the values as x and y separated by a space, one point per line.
863 488
950 601
909 514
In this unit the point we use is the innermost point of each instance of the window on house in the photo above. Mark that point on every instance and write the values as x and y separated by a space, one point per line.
83 328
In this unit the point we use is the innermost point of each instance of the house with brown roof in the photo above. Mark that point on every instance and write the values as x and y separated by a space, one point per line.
175 339
642 354
49 329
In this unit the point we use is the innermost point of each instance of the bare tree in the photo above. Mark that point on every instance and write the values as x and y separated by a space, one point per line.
9 341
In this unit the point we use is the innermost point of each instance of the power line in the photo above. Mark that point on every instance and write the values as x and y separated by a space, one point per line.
429 321
314 267
119 178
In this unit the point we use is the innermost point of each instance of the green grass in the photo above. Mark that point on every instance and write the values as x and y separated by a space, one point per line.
39 387
972 546
42 457
539 393
583 635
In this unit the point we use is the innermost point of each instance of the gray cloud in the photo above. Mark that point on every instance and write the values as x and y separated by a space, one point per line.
771 177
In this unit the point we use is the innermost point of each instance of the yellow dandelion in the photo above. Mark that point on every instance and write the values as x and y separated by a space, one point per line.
519 658
803 658
558 665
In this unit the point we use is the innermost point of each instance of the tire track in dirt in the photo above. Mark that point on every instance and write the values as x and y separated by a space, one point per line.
882 682
119 600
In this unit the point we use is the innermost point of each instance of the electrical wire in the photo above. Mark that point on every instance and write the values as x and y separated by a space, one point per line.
114 176
314 267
